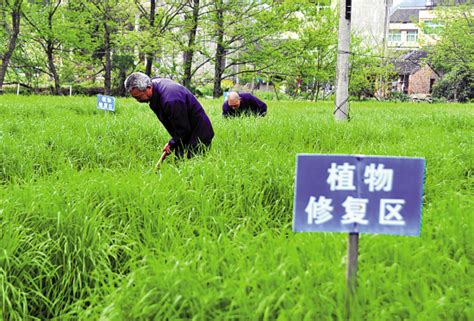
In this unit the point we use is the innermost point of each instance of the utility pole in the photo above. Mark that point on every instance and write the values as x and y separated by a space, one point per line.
341 110
381 92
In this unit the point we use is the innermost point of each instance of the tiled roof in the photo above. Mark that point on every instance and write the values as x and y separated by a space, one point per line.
402 15
449 2
410 63
422 3
413 3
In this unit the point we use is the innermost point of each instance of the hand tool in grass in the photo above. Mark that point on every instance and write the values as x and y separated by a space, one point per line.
158 164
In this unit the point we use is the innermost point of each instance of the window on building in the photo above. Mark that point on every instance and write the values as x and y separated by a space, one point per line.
412 35
395 36
430 27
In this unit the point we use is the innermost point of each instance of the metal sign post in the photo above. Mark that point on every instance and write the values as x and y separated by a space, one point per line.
351 272
352 260
358 194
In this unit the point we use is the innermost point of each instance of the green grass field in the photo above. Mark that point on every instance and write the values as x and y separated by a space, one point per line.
88 232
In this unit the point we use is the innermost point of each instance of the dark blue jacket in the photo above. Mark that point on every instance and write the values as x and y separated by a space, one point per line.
249 104
181 114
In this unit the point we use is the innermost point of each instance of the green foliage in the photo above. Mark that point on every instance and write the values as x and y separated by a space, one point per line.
368 72
453 53
270 95
306 61
431 28
455 46
227 84
456 85
289 43
204 91
398 96
89 232
248 36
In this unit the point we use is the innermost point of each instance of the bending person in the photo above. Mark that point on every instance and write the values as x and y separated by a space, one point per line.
177 109
243 103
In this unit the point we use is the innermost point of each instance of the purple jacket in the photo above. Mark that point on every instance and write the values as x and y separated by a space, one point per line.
181 114
248 104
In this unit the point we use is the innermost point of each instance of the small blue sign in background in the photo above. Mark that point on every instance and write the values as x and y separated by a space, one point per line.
106 102
226 95
357 193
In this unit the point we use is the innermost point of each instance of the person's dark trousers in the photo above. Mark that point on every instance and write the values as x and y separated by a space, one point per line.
188 152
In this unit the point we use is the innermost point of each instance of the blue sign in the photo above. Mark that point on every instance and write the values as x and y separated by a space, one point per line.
106 102
226 95
357 193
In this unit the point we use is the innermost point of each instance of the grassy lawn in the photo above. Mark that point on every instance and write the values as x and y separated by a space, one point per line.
89 232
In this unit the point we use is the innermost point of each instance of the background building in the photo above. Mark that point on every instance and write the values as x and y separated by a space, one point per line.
369 19
411 23
415 75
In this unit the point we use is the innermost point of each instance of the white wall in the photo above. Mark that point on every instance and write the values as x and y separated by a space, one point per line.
368 18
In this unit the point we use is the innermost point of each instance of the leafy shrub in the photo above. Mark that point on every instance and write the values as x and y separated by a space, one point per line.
455 85
203 91
439 100
270 95
227 84
398 96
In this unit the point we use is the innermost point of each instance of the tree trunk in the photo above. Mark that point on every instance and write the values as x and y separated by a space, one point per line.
12 42
317 84
297 87
317 90
52 68
50 51
150 56
121 79
189 52
220 52
276 92
108 60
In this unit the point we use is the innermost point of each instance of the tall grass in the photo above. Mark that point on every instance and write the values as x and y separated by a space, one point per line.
88 231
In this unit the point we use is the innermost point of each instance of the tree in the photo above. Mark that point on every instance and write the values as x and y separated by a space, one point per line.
191 21
47 30
107 22
245 34
155 24
304 62
312 58
453 53
368 71
13 8
220 48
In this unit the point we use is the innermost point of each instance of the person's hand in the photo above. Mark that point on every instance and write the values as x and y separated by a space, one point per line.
167 149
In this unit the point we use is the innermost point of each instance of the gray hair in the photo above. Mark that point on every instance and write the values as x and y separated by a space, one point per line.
137 80
233 95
